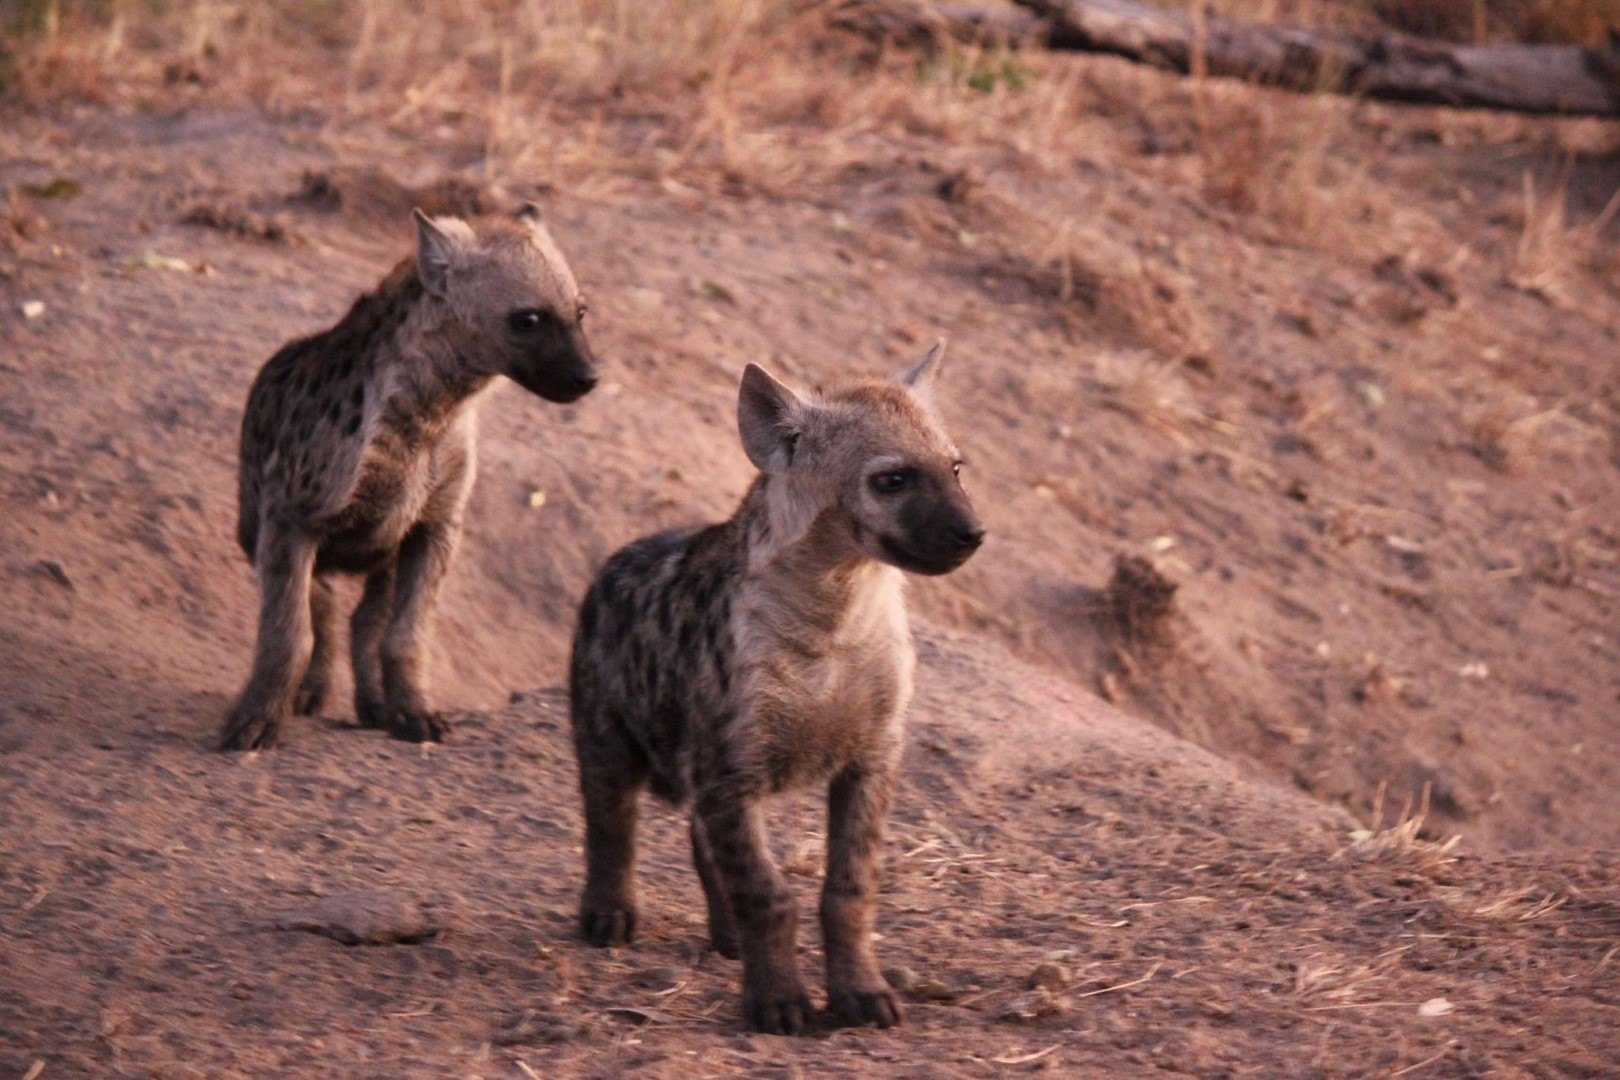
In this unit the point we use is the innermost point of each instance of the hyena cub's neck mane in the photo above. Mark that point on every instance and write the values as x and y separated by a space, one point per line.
803 553
373 323
409 348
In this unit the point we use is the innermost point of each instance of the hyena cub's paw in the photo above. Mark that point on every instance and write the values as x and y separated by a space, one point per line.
250 730
609 923
723 937
417 726
860 1006
312 696
777 1005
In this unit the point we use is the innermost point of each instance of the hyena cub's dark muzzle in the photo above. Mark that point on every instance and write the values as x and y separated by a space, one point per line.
553 359
939 529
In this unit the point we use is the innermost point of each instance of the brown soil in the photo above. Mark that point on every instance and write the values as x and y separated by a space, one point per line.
1376 488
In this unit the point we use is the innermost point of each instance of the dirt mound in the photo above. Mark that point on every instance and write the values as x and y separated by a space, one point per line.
1067 887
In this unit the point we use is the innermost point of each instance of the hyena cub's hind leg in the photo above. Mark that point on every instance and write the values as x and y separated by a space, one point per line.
367 626
316 688
285 561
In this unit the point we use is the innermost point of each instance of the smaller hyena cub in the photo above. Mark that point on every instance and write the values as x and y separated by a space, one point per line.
719 665
357 457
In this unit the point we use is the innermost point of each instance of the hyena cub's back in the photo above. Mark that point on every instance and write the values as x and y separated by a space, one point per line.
718 665
305 410
654 644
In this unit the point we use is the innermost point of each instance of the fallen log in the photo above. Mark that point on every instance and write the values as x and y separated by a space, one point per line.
1558 79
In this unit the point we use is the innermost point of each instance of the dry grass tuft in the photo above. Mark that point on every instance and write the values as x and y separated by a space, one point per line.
1153 391
1520 904
1267 154
1402 841
1551 249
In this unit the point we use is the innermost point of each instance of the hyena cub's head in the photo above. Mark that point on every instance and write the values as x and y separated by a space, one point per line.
513 299
870 460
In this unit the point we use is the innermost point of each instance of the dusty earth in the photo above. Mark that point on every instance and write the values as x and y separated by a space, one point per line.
1382 479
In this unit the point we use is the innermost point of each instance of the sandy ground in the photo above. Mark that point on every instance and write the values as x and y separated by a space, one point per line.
1381 581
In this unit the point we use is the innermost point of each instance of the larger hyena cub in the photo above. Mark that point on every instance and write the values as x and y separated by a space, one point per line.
358 457
771 651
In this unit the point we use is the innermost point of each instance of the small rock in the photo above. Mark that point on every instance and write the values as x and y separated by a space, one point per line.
1036 1006
56 572
713 290
530 1028
932 990
902 979
363 917
60 188
1047 976
656 978
33 309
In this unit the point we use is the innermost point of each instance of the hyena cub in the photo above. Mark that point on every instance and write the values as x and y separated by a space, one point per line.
719 665
357 457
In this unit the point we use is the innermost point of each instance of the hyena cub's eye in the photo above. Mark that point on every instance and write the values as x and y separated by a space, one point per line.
580 313
893 481
956 469
526 320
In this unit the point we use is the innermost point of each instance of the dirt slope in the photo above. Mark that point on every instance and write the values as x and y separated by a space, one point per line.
1202 925
1209 920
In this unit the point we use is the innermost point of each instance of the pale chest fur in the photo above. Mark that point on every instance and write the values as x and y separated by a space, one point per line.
399 477
825 684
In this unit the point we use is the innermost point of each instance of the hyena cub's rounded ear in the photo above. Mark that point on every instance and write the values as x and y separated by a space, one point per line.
437 244
769 418
920 377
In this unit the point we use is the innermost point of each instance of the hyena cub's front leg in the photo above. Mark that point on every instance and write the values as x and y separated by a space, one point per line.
775 999
285 560
424 557
858 807
722 926
607 910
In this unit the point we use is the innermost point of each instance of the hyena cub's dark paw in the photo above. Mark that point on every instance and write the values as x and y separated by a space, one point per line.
411 725
608 924
312 695
865 1006
250 730
777 1005
414 726
724 940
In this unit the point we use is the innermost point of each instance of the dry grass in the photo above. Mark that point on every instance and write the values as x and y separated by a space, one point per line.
735 95
1552 249
1268 154
1153 391
1402 841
